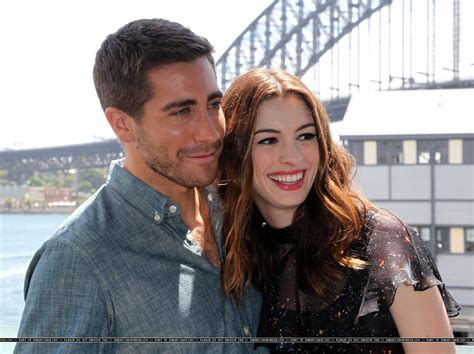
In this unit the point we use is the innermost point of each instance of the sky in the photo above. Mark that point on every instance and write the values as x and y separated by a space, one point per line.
47 95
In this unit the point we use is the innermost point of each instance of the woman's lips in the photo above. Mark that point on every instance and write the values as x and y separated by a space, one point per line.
288 180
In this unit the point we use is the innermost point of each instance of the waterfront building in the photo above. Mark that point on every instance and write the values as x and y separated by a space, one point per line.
415 156
11 195
15 198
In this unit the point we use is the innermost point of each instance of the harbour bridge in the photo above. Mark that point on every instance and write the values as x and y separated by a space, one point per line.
338 47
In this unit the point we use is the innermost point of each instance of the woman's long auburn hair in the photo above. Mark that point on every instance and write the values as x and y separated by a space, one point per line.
327 223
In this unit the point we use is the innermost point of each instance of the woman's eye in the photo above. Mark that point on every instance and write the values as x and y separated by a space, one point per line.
268 141
307 136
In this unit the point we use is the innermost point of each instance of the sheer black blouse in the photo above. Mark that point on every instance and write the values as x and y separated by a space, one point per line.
358 305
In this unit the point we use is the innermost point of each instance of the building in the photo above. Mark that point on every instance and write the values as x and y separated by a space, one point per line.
11 196
415 157
15 198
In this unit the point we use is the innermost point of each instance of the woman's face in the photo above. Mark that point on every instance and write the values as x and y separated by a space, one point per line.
285 155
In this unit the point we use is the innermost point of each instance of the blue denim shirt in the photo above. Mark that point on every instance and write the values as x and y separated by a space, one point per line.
122 266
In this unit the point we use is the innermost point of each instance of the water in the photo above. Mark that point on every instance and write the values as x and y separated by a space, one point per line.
20 236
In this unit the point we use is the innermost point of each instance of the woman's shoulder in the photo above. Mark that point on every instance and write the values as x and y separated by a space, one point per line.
395 252
381 222
396 255
386 234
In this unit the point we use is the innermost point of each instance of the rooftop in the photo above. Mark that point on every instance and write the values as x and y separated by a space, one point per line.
415 112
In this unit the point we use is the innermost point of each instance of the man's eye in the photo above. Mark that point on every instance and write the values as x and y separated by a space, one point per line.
215 105
181 112
268 141
307 136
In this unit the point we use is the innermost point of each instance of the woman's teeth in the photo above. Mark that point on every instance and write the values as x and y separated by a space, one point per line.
287 178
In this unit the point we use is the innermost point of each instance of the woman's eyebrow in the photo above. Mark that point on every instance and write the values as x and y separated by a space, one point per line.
266 131
306 126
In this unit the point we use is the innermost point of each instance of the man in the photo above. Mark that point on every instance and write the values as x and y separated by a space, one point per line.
142 257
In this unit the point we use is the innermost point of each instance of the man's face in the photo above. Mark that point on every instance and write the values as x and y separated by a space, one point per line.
182 127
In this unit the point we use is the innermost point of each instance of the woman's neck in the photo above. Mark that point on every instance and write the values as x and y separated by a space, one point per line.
277 218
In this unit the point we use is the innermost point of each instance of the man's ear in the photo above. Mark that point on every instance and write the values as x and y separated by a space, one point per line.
122 124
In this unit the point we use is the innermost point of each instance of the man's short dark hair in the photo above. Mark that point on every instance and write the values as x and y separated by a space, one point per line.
127 56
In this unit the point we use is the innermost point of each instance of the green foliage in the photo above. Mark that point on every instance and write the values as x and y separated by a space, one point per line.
4 178
26 202
86 187
95 176
8 203
85 181
68 181
35 181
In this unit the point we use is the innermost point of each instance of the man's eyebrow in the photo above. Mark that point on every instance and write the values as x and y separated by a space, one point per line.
179 103
278 132
190 101
216 94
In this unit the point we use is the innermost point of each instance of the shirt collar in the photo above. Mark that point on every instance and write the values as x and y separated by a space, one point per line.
146 199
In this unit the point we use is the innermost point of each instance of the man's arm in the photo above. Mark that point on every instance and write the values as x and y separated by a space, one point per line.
63 299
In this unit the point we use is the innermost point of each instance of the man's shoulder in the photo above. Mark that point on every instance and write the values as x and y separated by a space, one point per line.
84 239
88 223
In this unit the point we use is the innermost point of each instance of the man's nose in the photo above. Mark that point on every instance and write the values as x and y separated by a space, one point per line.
209 126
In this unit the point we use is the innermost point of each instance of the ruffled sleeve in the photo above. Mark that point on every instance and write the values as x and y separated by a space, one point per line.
396 254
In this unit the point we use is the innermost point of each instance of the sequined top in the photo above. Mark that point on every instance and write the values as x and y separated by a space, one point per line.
358 305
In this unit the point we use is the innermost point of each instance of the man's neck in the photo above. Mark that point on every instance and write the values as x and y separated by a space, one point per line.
186 198
191 202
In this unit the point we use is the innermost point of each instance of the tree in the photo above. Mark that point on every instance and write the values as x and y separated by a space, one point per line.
8 203
68 181
4 177
86 187
35 181
95 176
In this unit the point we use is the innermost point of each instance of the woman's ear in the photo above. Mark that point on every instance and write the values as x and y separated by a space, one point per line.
122 124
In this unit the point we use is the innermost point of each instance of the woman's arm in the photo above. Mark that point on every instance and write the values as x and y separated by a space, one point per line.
422 314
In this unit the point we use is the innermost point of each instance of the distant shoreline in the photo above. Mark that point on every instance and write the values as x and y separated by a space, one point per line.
37 211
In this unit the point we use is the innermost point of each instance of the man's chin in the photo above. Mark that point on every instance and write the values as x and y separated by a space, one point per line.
199 180
205 175
205 181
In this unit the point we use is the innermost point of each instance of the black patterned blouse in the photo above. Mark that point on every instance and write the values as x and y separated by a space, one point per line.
358 305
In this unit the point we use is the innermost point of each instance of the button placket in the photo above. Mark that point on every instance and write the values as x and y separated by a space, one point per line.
190 237
157 216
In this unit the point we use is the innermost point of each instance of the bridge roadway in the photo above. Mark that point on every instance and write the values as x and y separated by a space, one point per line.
25 162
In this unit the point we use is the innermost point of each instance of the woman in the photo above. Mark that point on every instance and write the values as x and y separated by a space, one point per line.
329 263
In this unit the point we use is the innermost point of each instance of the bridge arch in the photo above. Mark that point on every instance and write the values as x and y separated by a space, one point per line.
293 35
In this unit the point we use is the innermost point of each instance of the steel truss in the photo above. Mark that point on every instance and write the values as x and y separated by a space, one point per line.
293 35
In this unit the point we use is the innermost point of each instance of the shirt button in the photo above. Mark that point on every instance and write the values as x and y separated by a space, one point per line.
209 197
157 216
173 209
190 237
246 331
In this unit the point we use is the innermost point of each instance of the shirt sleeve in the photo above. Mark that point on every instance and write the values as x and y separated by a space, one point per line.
397 255
63 299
